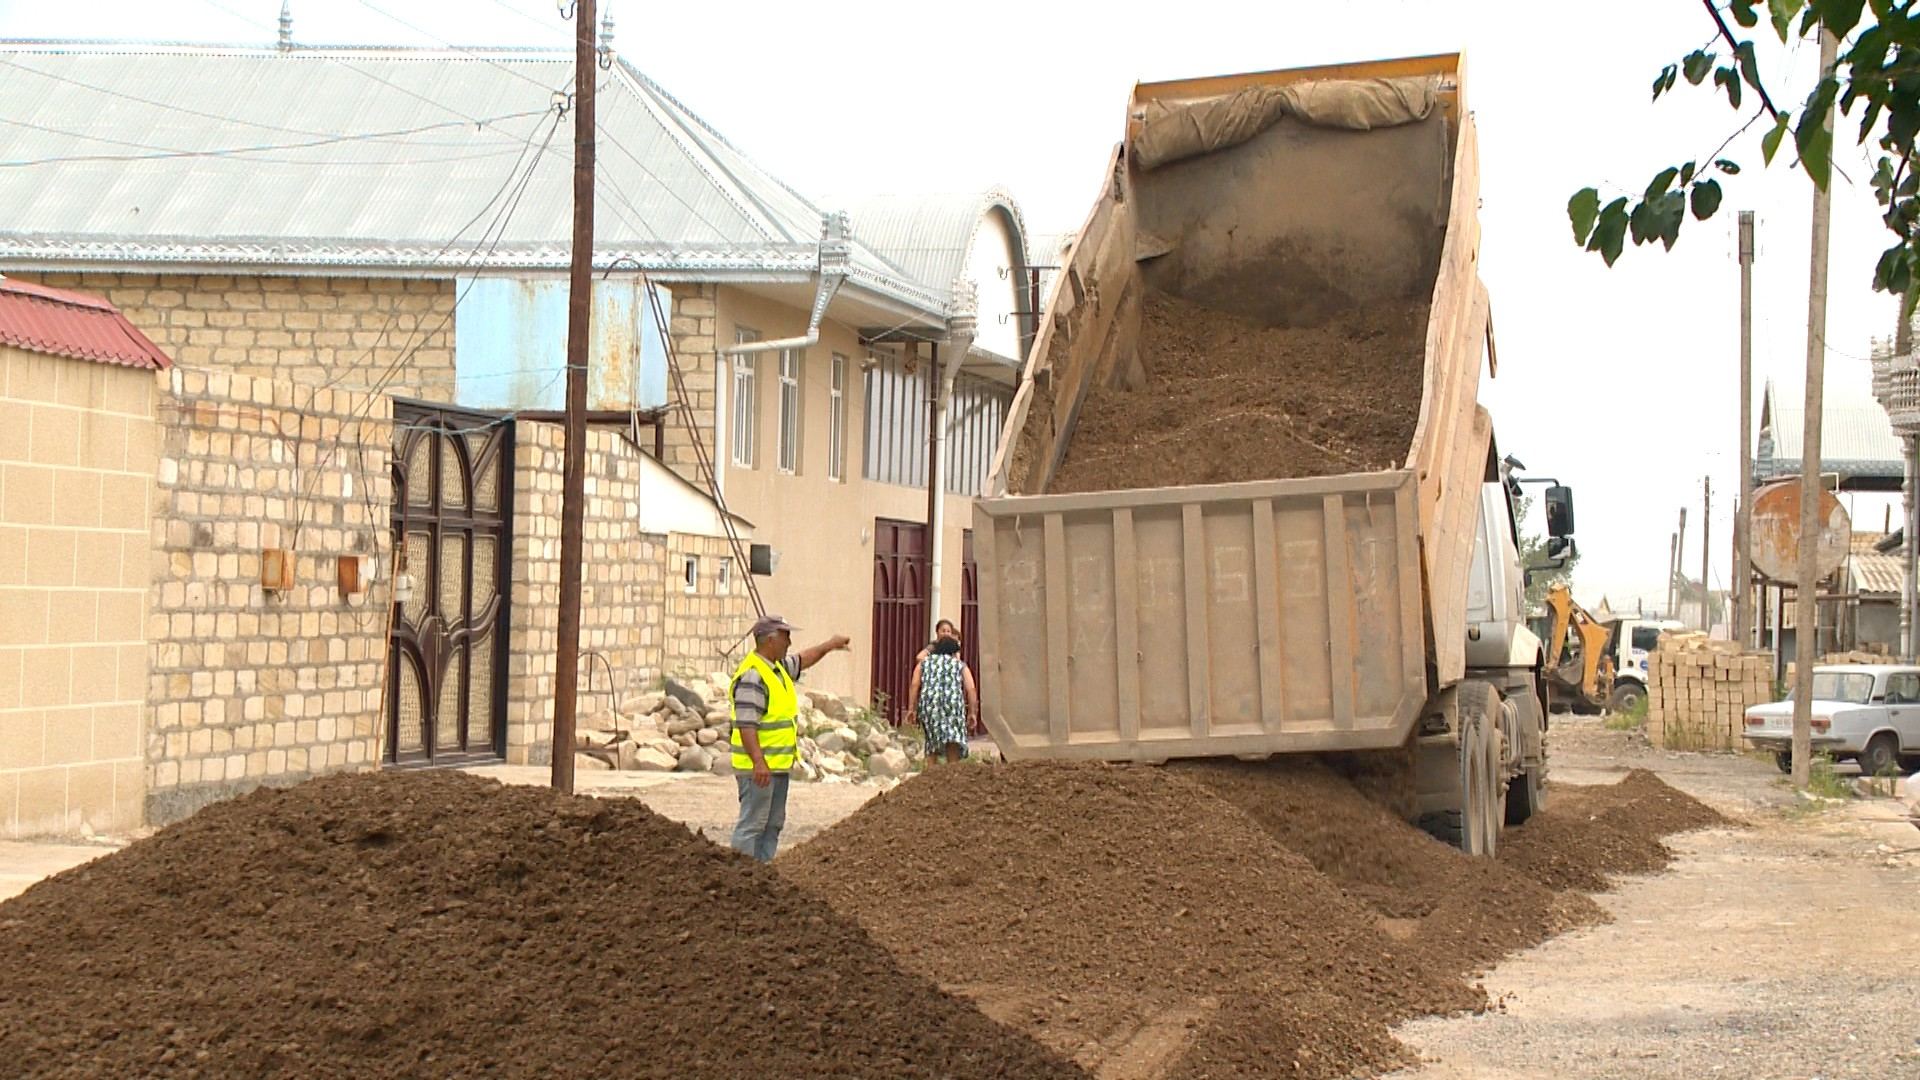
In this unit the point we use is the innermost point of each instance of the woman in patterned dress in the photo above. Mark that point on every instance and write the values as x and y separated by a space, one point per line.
943 696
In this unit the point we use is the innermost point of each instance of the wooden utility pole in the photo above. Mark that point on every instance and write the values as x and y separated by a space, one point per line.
1806 635
566 675
1706 554
1742 515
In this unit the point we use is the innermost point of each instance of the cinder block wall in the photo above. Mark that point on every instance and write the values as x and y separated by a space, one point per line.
251 686
77 451
353 331
692 329
706 625
620 597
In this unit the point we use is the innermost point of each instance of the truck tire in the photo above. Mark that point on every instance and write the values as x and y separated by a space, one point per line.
1526 796
1473 824
1626 697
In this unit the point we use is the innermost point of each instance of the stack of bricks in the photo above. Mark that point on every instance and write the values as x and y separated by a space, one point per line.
1699 691
250 685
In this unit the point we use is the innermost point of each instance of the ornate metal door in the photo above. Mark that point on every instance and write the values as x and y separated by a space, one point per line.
452 488
899 610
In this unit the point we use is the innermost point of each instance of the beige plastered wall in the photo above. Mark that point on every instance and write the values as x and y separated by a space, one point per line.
822 528
77 452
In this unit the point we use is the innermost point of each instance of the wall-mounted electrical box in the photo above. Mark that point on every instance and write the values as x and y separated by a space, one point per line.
276 569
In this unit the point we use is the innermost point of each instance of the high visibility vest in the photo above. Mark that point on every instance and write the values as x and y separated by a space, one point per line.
779 737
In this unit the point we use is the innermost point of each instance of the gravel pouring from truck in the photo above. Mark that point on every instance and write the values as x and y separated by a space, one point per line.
1328 611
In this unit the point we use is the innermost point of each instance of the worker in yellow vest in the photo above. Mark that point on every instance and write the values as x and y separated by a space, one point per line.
765 739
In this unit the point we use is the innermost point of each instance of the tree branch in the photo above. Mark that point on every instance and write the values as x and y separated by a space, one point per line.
1726 32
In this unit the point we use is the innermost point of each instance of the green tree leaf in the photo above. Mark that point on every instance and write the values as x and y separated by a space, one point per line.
1749 67
1782 12
1609 231
1744 14
1770 142
1582 209
1838 16
1706 199
1728 78
1662 181
1731 168
1696 66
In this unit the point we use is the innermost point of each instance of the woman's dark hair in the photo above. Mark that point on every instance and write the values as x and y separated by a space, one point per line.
948 623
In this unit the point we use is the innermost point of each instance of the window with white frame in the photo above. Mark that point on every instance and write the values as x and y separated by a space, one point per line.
690 573
723 578
791 380
746 412
837 420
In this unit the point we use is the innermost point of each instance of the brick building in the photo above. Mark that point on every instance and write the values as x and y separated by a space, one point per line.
357 263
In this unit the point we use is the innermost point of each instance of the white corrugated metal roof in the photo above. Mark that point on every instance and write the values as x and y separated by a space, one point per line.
928 237
1876 573
1856 439
375 158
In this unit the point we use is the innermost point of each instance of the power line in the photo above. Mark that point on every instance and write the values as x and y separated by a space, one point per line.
167 152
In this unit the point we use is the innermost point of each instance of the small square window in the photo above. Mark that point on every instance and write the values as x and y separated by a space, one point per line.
690 573
723 578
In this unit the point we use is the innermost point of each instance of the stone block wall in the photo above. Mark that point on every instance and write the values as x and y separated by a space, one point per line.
706 626
77 452
248 685
361 333
693 328
621 607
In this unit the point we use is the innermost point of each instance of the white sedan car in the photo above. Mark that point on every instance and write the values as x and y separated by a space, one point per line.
1867 712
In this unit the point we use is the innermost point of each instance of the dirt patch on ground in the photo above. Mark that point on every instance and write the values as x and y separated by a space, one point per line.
1229 399
435 924
1125 916
1586 834
1449 911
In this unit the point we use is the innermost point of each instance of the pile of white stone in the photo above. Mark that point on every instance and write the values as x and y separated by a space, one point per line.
684 728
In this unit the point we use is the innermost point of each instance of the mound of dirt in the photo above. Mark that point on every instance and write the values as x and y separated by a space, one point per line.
1587 834
1450 911
1121 914
435 924
1228 399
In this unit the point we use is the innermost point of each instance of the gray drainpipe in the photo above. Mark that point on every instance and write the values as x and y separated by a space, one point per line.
962 325
836 261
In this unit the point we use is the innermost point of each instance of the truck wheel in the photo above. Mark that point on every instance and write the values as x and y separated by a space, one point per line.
1881 757
1526 796
1474 826
1626 697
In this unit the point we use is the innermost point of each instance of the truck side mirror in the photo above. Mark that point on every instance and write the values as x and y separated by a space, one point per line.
1559 511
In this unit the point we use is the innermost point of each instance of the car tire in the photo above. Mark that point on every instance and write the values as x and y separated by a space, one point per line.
1784 759
1881 757
1626 697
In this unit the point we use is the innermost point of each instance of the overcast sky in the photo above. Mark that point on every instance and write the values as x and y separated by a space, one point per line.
1620 382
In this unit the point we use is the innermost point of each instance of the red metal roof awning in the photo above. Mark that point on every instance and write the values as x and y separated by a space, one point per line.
71 324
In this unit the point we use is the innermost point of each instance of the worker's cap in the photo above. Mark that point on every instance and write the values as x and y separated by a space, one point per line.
769 625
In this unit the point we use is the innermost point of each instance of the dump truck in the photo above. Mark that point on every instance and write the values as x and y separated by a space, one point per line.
1352 606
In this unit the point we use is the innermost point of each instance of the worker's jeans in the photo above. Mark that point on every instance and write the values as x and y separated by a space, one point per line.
763 810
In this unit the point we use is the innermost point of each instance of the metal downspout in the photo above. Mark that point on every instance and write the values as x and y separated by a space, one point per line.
962 326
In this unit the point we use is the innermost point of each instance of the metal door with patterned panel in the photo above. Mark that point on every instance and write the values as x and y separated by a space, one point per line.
899 610
452 484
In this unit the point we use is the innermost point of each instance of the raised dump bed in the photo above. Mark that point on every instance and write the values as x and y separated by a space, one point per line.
1235 503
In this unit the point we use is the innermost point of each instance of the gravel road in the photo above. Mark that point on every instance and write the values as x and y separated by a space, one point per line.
1787 948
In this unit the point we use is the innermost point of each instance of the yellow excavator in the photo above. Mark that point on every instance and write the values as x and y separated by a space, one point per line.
1579 666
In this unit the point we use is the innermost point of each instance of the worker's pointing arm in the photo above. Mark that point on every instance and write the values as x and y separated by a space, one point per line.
814 654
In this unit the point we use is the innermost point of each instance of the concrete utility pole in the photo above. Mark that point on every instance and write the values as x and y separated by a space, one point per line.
1902 347
1706 554
1806 611
566 675
1742 515
1673 568
1676 588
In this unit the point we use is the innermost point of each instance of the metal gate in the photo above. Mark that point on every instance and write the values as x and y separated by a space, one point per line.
899 610
452 493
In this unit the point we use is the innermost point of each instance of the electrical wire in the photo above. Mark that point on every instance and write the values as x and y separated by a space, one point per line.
167 152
